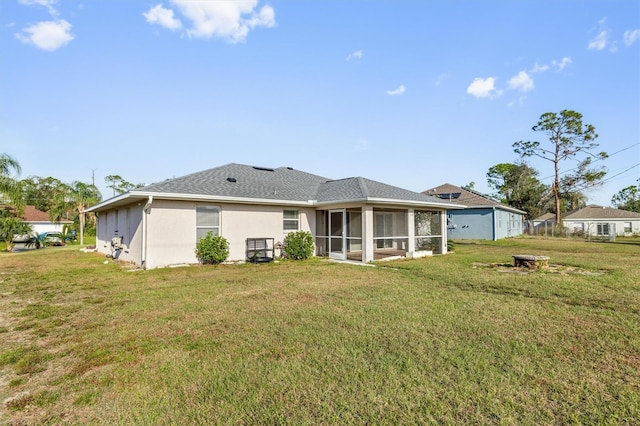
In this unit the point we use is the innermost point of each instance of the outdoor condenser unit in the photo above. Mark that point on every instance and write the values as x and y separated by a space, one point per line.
116 242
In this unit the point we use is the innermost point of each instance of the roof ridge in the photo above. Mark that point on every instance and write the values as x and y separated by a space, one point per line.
363 186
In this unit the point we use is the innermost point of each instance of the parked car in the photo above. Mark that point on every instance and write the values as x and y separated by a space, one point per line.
21 238
51 238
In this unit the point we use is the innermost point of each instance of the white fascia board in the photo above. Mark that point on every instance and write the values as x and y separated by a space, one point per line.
113 200
444 206
387 201
603 219
223 199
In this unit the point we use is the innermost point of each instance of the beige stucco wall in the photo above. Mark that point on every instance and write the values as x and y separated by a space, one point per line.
171 229
171 236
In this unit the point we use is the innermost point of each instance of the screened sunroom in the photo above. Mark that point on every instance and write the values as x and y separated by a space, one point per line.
373 233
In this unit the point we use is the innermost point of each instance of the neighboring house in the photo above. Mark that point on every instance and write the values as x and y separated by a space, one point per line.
354 218
40 222
595 220
481 219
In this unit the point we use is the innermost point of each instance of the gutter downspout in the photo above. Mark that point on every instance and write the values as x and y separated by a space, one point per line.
495 219
143 262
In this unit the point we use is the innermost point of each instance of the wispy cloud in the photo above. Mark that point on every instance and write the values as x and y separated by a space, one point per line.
163 17
47 35
522 82
355 55
539 68
46 3
630 37
561 64
230 20
556 65
441 79
602 41
397 92
483 87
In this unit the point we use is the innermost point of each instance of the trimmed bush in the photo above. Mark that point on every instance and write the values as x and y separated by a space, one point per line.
212 249
298 245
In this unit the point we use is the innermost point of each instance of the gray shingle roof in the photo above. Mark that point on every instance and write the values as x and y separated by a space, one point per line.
359 188
282 183
598 212
246 182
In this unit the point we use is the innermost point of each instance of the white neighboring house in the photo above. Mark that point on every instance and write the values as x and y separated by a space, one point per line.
354 218
596 221
40 222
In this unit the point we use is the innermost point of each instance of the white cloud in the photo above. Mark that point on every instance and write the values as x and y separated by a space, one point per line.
631 36
562 64
522 81
397 92
483 87
539 68
227 19
600 41
47 35
163 17
355 55
46 3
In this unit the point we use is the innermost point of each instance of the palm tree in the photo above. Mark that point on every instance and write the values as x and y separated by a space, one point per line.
7 163
76 197
9 187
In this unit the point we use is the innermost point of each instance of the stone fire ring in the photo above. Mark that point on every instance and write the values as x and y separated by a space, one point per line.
530 261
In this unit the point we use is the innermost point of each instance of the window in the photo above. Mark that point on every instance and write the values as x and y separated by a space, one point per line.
291 220
207 220
627 227
603 229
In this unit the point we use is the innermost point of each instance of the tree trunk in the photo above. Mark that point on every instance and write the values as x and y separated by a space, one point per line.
556 182
81 214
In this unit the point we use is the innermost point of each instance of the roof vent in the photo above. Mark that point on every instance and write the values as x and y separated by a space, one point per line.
290 168
231 180
265 169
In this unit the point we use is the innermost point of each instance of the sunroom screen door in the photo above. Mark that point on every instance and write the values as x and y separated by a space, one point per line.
337 234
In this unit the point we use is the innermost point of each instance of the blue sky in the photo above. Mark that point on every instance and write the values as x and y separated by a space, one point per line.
410 93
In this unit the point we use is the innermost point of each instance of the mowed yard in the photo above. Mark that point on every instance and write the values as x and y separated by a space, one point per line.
461 338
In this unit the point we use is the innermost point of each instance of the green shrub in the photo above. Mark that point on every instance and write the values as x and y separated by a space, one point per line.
298 245
451 245
212 249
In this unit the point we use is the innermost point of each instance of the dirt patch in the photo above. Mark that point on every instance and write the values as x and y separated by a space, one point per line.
551 269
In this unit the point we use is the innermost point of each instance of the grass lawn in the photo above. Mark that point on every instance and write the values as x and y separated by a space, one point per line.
461 338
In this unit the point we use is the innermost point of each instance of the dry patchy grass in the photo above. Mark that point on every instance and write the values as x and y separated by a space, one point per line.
433 340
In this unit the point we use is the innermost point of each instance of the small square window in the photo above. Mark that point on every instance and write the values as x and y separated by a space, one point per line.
627 227
291 220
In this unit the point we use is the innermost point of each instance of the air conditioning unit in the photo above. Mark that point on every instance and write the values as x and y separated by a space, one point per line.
116 242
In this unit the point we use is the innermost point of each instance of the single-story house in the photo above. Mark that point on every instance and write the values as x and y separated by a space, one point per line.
40 222
354 218
594 220
482 218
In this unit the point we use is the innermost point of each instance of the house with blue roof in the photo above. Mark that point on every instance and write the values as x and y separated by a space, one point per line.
354 219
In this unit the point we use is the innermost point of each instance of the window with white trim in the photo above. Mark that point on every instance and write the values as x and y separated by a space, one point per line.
207 220
290 220
627 227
